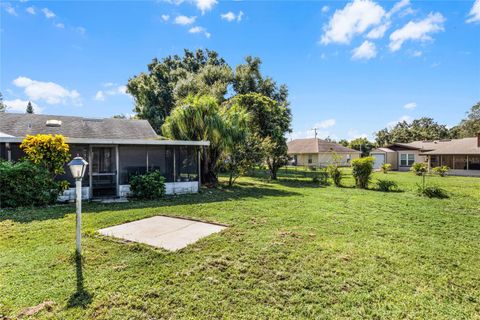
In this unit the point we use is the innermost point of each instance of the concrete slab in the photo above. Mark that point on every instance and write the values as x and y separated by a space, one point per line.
163 232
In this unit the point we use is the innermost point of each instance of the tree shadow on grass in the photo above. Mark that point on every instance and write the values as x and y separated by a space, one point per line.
241 190
81 297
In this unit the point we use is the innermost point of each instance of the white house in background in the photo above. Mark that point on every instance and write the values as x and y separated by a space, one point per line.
462 156
316 152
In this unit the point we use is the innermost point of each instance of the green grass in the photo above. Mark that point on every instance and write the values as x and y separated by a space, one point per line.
293 250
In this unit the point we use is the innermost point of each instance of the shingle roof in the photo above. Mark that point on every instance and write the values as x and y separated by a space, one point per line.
453 146
19 125
312 145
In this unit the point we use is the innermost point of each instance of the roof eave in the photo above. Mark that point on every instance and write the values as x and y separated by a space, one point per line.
120 141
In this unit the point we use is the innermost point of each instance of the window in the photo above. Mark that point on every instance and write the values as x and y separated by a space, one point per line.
460 162
434 161
310 159
473 162
406 160
447 161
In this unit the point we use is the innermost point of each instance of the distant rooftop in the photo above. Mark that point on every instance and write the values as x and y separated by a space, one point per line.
315 145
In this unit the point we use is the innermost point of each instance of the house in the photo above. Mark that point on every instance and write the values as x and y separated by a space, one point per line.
462 156
320 153
116 149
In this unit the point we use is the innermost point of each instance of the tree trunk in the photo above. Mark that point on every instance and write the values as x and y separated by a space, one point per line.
208 175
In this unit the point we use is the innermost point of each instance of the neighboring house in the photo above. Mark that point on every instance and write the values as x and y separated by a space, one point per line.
462 156
320 153
116 149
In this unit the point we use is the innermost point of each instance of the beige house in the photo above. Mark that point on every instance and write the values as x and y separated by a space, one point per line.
462 156
320 153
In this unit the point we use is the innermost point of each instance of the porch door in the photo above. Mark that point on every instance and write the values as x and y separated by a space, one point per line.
104 172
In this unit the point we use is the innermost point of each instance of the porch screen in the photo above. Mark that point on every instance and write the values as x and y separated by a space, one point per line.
76 150
474 162
161 158
460 162
133 161
186 164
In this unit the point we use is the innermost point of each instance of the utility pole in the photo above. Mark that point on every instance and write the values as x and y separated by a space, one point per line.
315 129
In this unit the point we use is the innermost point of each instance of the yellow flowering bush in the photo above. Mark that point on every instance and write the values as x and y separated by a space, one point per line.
49 151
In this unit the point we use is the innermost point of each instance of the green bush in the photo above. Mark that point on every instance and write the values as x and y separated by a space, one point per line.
441 171
335 174
386 167
419 168
150 185
432 192
387 185
26 184
320 178
362 170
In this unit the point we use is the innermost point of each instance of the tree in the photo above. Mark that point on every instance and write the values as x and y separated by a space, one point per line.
51 152
202 118
172 79
3 107
470 126
420 129
361 144
29 108
343 142
270 120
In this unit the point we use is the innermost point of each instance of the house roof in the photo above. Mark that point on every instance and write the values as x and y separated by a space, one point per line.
313 145
382 150
448 146
20 125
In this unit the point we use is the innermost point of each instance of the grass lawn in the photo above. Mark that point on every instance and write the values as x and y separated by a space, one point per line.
294 250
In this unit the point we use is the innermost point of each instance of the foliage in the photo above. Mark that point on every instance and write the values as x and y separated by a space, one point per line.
470 126
269 120
343 142
442 171
150 185
26 184
419 168
386 185
432 192
386 167
3 106
419 129
156 93
361 144
320 177
29 108
51 152
202 118
335 174
362 170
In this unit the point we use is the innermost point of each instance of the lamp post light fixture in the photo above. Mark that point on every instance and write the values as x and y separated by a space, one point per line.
77 167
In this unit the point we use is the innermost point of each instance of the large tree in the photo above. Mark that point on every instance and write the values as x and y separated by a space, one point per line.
157 91
470 126
270 121
361 144
419 129
29 108
202 118
3 106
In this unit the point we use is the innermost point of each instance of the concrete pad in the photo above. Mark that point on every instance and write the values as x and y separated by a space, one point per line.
163 232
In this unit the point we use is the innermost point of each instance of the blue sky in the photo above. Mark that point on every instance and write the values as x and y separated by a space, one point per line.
352 68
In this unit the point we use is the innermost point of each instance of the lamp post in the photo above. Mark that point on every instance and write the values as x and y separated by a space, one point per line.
77 167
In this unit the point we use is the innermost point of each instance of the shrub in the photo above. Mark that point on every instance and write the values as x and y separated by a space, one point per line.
432 192
441 171
320 178
335 174
386 185
51 152
386 167
26 184
362 170
150 185
419 168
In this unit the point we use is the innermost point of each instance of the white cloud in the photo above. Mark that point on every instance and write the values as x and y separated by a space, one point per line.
10 10
48 13
354 134
184 20
165 17
378 32
474 15
391 124
60 25
99 96
50 92
366 51
417 53
20 106
205 5
230 16
111 90
417 31
325 124
410 106
31 10
325 9
397 7
198 29
355 18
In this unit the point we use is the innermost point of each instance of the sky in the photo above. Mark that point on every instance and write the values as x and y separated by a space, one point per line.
352 68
